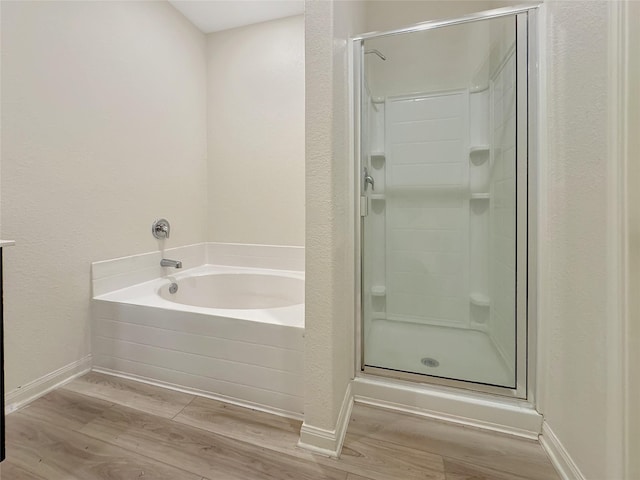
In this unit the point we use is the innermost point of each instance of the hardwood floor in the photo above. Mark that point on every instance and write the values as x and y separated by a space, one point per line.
100 427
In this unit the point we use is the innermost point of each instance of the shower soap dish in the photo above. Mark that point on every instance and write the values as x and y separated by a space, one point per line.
479 300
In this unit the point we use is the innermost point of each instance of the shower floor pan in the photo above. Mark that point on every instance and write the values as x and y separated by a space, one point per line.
460 354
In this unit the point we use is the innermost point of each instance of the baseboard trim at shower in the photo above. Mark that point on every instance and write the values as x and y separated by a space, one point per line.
511 416
328 442
560 458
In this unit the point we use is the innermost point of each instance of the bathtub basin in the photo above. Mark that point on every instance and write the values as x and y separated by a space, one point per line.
239 290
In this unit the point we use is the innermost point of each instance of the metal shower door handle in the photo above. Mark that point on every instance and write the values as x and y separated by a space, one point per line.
368 180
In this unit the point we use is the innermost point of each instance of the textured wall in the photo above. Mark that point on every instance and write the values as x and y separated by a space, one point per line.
633 199
329 337
103 130
574 268
256 133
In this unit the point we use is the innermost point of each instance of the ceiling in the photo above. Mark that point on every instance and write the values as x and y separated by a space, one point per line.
215 15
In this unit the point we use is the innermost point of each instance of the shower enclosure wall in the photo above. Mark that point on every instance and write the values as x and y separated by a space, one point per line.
444 163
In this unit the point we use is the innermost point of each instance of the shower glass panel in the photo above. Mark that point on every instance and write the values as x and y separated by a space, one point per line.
442 162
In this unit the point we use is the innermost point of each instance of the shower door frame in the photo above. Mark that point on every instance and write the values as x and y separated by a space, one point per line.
526 203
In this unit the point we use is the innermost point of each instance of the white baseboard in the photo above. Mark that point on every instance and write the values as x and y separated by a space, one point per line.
505 415
328 442
21 396
566 467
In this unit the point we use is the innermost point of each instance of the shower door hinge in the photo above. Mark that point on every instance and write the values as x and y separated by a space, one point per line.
364 207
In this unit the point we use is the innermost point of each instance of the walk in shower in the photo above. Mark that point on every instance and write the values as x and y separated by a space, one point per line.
444 151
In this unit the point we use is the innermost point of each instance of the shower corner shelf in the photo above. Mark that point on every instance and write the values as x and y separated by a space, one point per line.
477 149
377 196
377 159
480 196
479 300
379 291
479 154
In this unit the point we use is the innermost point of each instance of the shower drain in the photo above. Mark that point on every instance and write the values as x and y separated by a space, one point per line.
429 362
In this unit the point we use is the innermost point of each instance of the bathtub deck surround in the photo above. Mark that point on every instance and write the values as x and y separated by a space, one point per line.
228 325
117 273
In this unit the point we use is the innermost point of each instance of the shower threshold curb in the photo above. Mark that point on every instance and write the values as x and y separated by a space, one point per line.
505 415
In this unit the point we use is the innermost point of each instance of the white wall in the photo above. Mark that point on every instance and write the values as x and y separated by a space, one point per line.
633 239
256 133
577 284
330 295
103 130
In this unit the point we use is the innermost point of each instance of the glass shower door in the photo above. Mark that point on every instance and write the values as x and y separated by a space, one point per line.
444 165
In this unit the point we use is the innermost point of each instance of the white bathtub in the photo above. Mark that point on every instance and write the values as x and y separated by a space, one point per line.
232 333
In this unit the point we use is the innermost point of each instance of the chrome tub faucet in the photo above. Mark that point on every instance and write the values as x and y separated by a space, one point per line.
165 262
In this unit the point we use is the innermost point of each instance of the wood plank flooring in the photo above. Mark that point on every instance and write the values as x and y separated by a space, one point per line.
101 427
